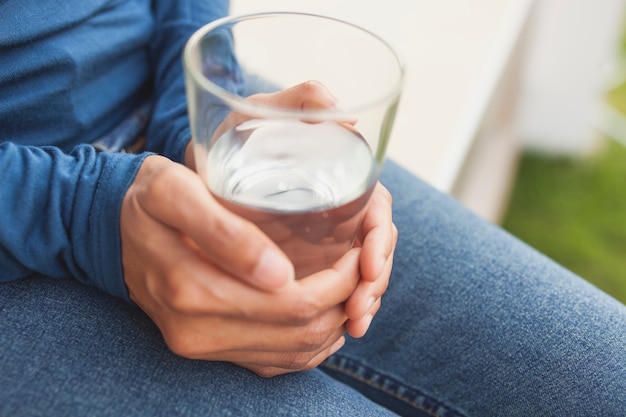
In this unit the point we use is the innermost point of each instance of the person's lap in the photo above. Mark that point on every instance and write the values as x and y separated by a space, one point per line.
477 323
67 349
474 323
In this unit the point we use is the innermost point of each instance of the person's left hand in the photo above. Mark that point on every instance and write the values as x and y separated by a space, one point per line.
378 237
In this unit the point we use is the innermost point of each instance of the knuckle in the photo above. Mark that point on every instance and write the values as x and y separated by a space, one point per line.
385 194
298 361
266 372
184 339
162 180
181 344
176 293
182 296
320 331
311 86
180 302
316 94
225 231
304 310
313 341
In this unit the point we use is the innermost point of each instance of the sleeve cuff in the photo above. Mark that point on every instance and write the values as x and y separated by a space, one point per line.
118 172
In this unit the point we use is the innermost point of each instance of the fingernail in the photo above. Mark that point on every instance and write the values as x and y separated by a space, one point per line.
370 303
273 270
368 322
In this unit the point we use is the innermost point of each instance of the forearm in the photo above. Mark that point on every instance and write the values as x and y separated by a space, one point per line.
60 213
175 21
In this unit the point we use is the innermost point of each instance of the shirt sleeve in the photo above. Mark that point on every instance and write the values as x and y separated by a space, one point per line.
60 213
175 21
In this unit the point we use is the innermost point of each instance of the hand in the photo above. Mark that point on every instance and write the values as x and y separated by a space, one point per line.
210 310
377 237
218 288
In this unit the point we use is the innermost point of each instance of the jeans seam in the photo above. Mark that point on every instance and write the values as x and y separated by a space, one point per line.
334 363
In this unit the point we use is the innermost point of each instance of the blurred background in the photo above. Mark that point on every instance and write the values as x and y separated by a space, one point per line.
517 108
569 194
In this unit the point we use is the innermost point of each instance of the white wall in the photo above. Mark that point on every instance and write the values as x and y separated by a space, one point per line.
572 46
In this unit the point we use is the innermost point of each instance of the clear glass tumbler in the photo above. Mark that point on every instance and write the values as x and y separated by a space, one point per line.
290 116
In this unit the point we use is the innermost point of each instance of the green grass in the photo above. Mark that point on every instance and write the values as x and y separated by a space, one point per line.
574 211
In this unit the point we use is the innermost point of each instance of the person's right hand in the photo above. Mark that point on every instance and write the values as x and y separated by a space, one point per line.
217 287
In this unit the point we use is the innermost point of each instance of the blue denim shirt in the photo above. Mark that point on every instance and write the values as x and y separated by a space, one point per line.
72 72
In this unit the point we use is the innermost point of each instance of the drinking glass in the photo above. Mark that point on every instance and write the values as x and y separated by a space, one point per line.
302 173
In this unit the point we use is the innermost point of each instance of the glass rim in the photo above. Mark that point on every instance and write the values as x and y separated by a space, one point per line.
240 104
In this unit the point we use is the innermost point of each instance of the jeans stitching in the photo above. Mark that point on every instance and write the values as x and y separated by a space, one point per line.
351 367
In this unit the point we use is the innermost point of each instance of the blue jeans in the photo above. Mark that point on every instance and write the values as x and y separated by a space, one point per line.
474 323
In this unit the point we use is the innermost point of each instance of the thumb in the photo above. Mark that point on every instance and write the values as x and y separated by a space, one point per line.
175 196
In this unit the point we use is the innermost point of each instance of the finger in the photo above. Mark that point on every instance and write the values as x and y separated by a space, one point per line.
189 158
228 338
358 328
368 293
268 371
309 95
278 352
378 234
179 199
299 302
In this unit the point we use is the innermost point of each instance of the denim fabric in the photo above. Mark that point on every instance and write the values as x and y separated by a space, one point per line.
477 323
474 323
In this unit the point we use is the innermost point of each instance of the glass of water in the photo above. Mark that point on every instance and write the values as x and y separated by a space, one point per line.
303 174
